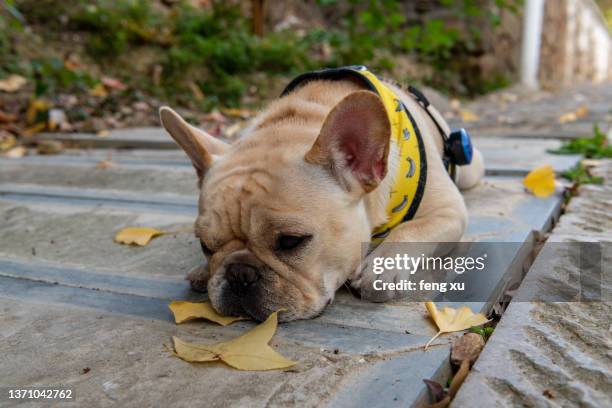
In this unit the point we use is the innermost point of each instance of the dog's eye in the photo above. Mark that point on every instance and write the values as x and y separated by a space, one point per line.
205 249
289 242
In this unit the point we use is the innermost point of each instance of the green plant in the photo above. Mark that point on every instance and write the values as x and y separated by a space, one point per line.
113 25
50 76
580 175
595 147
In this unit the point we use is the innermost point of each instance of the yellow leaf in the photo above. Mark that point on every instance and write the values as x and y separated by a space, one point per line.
249 352
12 83
7 141
193 353
137 235
468 116
580 112
32 130
36 106
451 320
184 311
98 91
541 181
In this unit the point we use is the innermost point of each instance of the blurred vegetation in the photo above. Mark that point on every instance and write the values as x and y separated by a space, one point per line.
207 56
606 9
592 147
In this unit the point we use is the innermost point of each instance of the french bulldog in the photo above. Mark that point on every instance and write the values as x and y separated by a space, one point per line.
285 210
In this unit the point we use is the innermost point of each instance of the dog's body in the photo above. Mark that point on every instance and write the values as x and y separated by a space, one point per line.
284 210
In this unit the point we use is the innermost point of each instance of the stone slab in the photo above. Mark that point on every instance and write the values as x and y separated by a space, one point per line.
508 156
58 262
546 353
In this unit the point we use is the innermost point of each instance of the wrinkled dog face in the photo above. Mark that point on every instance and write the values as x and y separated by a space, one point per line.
278 229
273 239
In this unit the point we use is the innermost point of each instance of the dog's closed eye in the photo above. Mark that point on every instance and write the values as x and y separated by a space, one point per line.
286 242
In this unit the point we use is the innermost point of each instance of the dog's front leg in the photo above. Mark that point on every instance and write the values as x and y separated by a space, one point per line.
443 226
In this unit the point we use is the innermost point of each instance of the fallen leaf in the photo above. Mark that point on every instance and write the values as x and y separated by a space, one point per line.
541 181
140 236
238 113
184 311
452 320
466 347
102 133
7 140
32 130
15 152
436 390
573 116
468 116
7 117
35 108
49 147
98 91
113 83
249 352
12 83
215 116
104 164
141 106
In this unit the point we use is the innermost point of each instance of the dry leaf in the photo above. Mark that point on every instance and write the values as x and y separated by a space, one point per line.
49 147
34 108
7 117
102 133
452 320
541 181
468 116
238 113
581 112
249 352
104 164
32 130
12 83
7 140
436 390
140 236
184 311
98 91
15 152
113 83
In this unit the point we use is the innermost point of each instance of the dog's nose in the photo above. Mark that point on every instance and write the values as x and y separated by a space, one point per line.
240 276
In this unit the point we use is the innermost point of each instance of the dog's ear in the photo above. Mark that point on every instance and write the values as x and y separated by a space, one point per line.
354 142
199 145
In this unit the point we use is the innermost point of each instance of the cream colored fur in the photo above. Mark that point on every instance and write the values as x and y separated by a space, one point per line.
262 186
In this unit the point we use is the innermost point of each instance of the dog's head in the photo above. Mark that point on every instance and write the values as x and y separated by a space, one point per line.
281 211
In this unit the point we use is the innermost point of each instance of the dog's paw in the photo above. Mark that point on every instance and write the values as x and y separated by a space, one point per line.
372 287
198 278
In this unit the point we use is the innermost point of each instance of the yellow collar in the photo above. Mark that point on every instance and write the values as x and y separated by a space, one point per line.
411 172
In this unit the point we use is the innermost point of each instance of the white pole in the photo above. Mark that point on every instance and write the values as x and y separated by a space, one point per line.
532 36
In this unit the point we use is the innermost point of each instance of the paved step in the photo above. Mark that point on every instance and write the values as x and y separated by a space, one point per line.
552 345
504 156
94 302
